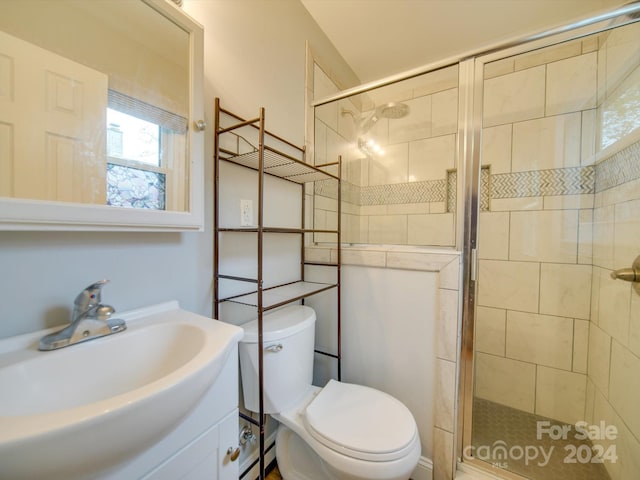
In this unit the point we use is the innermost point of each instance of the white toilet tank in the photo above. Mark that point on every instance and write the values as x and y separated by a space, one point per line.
288 339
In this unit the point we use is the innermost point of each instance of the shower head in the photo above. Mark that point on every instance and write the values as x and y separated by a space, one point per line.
391 110
346 111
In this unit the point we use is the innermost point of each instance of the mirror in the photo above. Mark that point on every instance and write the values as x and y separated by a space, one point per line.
97 107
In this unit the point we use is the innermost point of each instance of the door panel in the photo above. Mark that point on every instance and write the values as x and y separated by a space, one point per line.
47 156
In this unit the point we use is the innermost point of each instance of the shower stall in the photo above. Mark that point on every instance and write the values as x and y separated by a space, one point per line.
391 194
526 158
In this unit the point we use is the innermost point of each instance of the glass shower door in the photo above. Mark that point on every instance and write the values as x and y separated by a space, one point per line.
556 338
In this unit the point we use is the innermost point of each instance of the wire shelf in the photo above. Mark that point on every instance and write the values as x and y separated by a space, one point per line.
254 229
281 165
281 295
258 153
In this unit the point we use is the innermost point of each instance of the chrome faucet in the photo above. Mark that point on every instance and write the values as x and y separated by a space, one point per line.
90 319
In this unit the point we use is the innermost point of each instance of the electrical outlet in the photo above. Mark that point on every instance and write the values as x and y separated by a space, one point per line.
246 213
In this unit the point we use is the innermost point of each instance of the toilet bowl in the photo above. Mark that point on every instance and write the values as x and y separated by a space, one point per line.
342 431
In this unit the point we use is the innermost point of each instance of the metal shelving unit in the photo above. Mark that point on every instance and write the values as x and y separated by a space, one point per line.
265 159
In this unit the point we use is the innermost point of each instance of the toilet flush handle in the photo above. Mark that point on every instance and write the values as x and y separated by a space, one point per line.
274 348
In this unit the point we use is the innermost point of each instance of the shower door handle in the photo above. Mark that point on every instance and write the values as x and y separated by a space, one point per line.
474 264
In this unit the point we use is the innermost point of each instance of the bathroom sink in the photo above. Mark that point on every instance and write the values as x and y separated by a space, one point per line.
80 410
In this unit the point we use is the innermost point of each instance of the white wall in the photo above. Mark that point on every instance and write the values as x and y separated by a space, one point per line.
254 56
42 273
389 337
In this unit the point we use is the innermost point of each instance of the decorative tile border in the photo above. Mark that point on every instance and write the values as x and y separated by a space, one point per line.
329 189
452 190
536 183
401 193
393 194
622 167
485 188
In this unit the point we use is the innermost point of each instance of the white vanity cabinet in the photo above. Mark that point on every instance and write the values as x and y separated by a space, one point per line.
205 457
197 448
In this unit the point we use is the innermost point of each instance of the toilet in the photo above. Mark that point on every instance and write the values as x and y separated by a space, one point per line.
342 431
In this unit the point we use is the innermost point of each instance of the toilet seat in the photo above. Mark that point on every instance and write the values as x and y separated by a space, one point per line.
360 422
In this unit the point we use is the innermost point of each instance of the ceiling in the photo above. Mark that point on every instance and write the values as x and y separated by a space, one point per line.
379 38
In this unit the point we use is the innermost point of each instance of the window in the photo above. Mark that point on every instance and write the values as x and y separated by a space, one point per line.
145 144
132 138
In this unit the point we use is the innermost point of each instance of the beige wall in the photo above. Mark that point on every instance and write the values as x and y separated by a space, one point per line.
255 56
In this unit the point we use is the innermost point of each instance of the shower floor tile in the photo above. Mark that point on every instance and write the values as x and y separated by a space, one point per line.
496 425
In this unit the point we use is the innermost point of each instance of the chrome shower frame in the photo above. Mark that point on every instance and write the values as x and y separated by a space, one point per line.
472 130
470 102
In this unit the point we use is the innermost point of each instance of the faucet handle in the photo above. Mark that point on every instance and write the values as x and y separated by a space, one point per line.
90 296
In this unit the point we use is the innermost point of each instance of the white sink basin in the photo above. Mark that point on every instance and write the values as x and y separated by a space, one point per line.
80 410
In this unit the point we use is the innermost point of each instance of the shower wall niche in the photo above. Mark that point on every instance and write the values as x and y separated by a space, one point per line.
399 151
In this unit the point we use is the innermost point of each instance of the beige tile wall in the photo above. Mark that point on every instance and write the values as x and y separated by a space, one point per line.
447 340
613 388
613 385
418 148
535 273
555 334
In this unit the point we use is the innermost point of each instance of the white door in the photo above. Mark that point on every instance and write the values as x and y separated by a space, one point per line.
59 153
